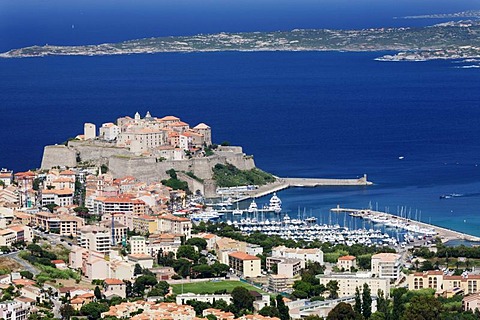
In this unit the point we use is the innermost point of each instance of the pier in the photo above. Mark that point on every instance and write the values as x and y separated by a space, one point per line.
285 183
443 233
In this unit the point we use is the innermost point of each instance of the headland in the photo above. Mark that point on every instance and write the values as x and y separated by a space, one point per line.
451 40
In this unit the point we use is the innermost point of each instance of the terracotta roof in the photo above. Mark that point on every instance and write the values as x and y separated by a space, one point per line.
173 218
386 256
23 282
243 256
58 191
169 118
111 281
77 301
201 126
347 258
57 261
67 172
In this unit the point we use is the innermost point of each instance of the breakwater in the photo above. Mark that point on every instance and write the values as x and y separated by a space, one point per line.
285 183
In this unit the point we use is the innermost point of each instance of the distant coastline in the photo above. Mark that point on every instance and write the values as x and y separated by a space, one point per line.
451 40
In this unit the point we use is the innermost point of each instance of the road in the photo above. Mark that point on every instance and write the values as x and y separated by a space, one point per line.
25 264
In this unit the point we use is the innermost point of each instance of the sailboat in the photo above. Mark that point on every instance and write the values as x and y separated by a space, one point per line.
237 211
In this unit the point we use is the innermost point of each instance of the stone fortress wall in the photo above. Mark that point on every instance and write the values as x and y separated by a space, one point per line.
121 162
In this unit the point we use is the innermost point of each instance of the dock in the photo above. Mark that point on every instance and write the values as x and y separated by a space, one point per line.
444 234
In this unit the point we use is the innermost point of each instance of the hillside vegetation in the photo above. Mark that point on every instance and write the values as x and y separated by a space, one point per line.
230 176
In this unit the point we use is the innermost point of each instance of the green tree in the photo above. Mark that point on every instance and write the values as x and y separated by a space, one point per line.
366 301
182 267
202 271
137 270
200 243
313 317
269 311
143 282
382 303
282 308
423 307
26 274
187 251
219 269
66 311
97 293
93 310
357 307
398 303
242 299
332 287
342 311
378 316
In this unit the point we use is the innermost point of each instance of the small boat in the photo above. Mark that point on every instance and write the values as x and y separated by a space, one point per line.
450 195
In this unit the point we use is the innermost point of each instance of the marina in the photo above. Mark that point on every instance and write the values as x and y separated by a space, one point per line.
407 224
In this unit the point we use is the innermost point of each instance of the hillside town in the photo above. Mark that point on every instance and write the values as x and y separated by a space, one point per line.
167 137
82 243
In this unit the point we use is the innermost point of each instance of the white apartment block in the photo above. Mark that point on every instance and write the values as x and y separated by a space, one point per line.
13 310
109 131
61 197
386 265
348 282
95 238
138 245
307 255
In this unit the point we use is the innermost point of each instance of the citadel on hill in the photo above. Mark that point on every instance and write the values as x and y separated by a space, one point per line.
146 148
166 137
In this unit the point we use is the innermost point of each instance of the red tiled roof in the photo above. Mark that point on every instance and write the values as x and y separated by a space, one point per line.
243 256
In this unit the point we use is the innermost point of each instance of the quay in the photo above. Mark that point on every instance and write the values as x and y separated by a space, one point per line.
285 183
443 233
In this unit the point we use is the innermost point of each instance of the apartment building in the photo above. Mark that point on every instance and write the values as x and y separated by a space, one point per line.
169 223
245 265
386 265
94 238
348 282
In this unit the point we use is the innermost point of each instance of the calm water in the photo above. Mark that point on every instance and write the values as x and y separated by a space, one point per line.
300 114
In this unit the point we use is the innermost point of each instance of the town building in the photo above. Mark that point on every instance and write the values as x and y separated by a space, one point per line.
114 287
109 131
386 265
151 310
145 224
60 197
210 298
471 302
245 265
307 255
347 263
138 245
89 131
168 223
348 282
442 283
13 310
6 176
94 238
278 282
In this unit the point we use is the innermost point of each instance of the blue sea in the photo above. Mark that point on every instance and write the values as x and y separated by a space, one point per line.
301 114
